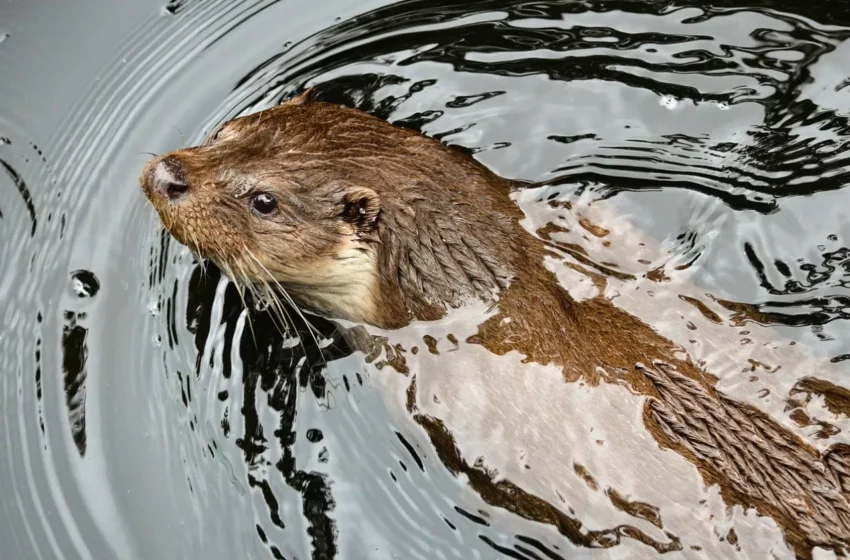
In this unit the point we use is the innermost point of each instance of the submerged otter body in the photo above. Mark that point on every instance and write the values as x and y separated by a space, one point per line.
361 220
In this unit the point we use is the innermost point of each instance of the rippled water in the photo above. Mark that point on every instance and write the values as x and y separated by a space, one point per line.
146 414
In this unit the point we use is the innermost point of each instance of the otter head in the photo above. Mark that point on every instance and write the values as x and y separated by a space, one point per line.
351 216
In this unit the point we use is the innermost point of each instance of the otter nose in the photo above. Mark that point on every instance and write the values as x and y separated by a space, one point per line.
169 179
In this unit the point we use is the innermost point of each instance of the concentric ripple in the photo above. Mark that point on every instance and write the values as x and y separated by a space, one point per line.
148 411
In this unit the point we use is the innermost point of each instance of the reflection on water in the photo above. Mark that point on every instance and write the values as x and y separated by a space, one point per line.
693 155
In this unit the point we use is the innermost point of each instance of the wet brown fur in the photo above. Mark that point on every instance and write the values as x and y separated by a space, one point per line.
443 229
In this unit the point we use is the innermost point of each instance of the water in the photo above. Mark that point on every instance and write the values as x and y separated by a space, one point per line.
145 415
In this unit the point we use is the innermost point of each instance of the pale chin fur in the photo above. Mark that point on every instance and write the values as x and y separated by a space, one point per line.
343 287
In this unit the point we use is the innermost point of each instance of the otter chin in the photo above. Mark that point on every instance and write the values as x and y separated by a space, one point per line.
362 220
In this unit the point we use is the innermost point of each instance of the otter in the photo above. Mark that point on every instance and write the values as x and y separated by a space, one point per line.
360 220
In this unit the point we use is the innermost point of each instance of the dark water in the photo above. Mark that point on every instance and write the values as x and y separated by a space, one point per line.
146 414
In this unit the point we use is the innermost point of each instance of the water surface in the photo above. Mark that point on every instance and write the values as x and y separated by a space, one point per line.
146 414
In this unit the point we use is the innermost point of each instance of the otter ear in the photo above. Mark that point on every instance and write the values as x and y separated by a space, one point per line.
304 99
361 208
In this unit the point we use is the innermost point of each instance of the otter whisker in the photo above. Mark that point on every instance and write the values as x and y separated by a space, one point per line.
279 311
182 136
275 300
271 298
197 252
274 295
280 317
239 285
310 328
240 289
289 299
227 271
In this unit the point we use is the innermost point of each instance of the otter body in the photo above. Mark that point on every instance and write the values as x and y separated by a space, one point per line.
360 220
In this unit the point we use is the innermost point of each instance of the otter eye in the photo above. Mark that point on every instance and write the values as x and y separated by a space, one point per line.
264 204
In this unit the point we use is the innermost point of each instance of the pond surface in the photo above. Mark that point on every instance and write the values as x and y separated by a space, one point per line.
144 413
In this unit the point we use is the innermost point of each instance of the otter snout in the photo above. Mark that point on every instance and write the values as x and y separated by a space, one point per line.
166 179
